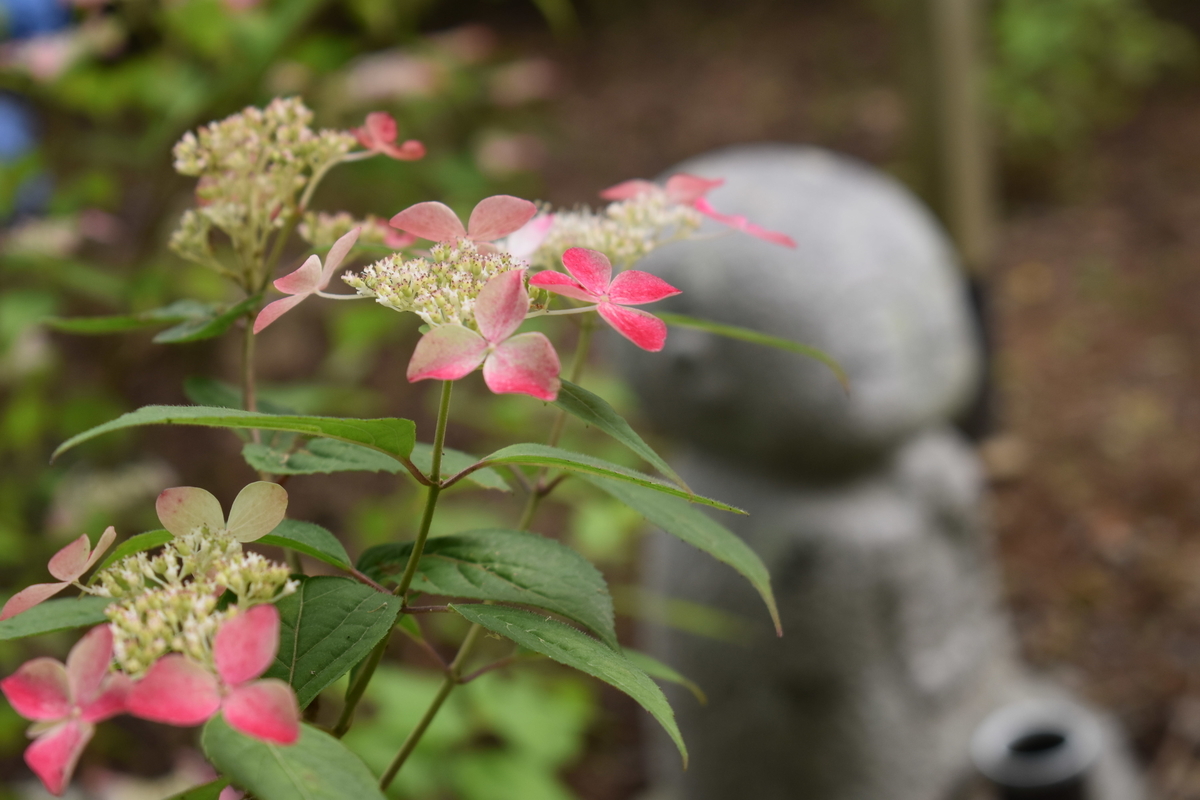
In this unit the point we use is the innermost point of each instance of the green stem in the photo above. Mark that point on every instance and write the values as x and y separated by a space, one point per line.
359 685
453 678
355 692
539 488
435 489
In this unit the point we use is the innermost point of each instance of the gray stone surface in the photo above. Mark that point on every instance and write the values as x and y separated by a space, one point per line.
867 509
873 284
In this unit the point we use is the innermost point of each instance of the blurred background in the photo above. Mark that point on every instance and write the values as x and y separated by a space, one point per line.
1092 430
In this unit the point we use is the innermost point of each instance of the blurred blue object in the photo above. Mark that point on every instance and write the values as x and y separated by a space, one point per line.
25 18
16 129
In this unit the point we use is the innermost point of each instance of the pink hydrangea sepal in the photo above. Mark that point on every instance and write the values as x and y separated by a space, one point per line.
447 353
39 690
645 330
739 222
177 691
492 218
54 754
68 565
245 645
264 709
524 364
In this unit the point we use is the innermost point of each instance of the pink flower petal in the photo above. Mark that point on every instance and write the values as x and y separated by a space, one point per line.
525 364
590 267
111 700
634 287
502 305
447 353
397 240
257 510
628 189
54 754
498 216
411 150
380 128
70 562
744 225
336 255
430 220
645 330
39 690
304 281
185 508
562 284
686 189
88 663
102 544
230 793
265 710
275 310
524 241
29 597
176 691
246 644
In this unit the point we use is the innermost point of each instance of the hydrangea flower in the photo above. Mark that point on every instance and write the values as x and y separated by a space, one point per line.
379 133
309 279
180 691
492 218
521 364
68 565
257 509
591 281
66 701
690 190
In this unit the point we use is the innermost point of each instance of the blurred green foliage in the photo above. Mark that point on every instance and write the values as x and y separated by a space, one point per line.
1065 68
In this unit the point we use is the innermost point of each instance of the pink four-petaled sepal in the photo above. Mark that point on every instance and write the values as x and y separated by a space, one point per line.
522 364
491 219
690 190
378 134
591 281
306 281
178 691
68 565
66 701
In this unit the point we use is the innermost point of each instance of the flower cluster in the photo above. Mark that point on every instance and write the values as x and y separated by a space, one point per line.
321 230
441 289
191 629
251 167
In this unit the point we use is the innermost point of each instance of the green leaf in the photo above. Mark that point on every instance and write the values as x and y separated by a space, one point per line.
134 544
755 337
574 648
392 437
317 456
541 455
316 767
508 567
595 410
657 669
322 456
697 529
59 614
179 311
194 330
209 791
454 462
310 539
327 627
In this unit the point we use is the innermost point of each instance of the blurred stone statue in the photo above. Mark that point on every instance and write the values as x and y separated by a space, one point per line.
866 506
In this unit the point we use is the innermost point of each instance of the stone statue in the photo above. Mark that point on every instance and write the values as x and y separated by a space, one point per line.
866 506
